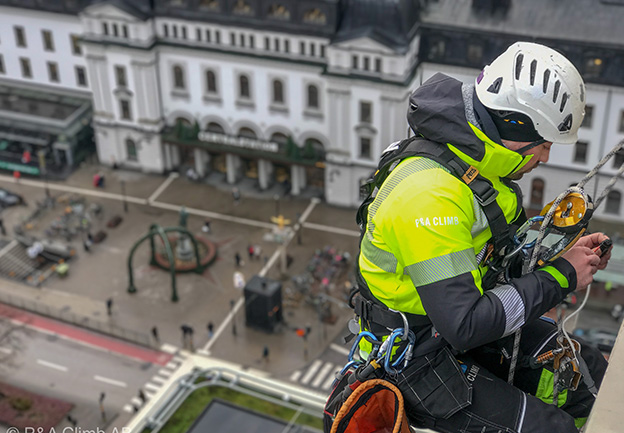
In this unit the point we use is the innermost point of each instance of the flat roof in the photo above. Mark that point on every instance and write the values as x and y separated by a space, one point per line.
31 102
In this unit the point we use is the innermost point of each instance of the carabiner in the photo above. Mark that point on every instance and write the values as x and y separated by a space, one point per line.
356 343
405 356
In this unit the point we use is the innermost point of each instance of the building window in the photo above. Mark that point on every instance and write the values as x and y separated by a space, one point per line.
217 36
124 31
175 31
354 62
25 65
212 5
2 71
211 82
366 112
215 127
241 7
366 63
105 28
589 114
243 89
125 109
365 147
286 46
313 97
593 67
247 133
474 54
131 150
242 40
537 194
279 12
302 48
252 41
267 43
277 45
178 78
618 158
232 39
115 30
278 92
184 32
166 30
313 50
437 49
580 152
208 36
48 42
612 205
53 74
20 36
81 76
120 76
314 16
198 34
378 64
323 51
75 44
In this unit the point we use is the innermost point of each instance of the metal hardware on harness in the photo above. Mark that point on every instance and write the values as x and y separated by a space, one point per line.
566 368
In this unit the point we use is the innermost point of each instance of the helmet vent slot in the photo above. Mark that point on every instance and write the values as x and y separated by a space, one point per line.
519 60
566 125
556 91
564 99
496 85
533 69
546 78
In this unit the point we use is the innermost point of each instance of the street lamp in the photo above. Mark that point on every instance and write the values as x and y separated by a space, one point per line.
123 194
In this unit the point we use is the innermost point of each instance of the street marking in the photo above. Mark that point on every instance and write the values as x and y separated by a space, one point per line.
128 408
151 386
295 376
172 365
164 372
136 400
342 350
319 378
8 247
225 323
52 365
172 176
159 379
330 380
329 229
111 381
311 371
6 350
213 215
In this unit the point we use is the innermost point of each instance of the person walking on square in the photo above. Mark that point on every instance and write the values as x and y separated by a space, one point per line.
237 259
206 226
109 306
210 330
142 396
155 334
265 354
236 196
250 251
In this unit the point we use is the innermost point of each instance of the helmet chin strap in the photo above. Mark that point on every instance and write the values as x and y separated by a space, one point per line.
531 146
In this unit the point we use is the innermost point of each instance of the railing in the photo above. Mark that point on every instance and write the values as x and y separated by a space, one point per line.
77 319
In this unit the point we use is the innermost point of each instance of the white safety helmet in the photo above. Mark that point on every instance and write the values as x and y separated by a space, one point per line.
540 83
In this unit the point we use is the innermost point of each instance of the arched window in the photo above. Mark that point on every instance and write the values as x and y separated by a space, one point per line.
279 138
314 149
215 127
313 97
182 121
211 82
278 92
614 199
178 77
537 194
314 16
279 12
209 4
241 7
243 83
247 133
131 150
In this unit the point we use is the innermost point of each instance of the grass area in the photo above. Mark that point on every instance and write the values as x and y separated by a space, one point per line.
195 404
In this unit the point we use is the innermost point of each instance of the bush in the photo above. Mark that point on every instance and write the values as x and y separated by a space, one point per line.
20 403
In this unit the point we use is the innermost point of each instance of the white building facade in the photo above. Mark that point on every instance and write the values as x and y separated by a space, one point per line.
302 93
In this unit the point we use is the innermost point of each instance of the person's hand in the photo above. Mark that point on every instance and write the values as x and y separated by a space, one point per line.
585 262
592 241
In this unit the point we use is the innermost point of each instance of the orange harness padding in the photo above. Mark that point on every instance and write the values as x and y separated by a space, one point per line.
376 406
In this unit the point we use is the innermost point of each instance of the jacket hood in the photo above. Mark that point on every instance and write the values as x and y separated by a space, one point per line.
446 111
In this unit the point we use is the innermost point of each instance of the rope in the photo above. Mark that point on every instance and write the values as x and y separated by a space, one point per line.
542 233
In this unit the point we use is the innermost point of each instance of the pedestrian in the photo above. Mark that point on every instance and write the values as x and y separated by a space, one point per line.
471 142
142 396
135 408
2 229
237 259
236 196
90 237
109 306
72 420
85 244
206 227
256 252
155 334
210 329
265 354
250 251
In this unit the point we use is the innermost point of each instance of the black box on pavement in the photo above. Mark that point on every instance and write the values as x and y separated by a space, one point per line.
263 303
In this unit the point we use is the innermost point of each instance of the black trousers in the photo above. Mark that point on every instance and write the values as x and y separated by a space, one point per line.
469 392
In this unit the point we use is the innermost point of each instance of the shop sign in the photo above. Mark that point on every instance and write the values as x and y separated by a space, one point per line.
248 143
11 166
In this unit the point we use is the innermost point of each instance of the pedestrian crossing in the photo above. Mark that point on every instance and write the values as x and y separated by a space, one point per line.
318 375
152 386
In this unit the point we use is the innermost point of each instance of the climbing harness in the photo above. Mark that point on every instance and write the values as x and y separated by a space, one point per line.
569 215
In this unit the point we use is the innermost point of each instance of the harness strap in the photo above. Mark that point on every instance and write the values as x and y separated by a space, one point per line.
373 312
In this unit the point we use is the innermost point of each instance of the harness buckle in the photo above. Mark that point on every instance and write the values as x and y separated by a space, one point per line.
487 197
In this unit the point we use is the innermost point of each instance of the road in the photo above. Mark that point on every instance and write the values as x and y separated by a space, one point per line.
57 367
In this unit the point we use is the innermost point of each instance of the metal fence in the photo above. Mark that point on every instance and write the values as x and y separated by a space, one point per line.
65 315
